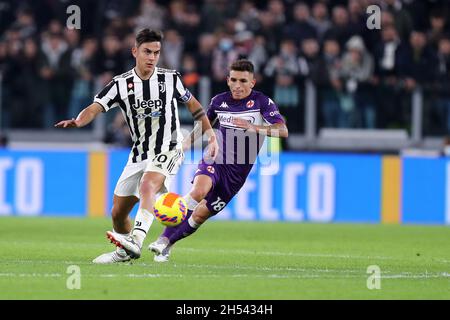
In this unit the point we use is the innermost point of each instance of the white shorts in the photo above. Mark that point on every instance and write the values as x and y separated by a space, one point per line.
167 163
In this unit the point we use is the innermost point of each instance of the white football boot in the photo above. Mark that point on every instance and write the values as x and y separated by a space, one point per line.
163 257
125 242
159 245
161 248
112 257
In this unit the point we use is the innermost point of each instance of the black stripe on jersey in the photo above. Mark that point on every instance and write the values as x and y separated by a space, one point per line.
162 119
124 108
173 124
133 119
116 98
106 90
148 120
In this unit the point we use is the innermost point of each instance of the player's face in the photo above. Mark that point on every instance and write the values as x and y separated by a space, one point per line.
240 83
147 56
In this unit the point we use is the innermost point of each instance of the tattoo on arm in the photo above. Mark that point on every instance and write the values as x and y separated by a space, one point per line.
198 114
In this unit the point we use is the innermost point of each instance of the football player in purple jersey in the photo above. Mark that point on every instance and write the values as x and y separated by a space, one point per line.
241 117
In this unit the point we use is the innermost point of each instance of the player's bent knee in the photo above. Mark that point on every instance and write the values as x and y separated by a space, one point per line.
199 193
149 188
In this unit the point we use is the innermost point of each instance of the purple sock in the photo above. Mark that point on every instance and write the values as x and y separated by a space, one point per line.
183 230
169 231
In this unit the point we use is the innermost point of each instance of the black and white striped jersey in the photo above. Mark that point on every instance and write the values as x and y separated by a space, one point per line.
150 109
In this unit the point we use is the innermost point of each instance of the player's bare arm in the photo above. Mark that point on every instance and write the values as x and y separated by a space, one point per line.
84 117
274 130
203 122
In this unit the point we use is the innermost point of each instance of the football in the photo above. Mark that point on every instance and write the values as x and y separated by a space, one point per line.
170 209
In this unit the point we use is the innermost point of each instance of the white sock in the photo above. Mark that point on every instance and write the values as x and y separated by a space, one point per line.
121 251
192 223
191 203
142 223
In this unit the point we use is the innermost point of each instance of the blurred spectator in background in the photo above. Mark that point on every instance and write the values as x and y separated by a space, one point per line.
442 83
127 58
355 74
57 76
173 49
211 34
82 63
151 15
191 80
320 19
271 31
254 49
108 60
118 132
186 20
390 54
277 9
420 63
25 23
340 28
303 26
72 38
438 25
284 69
22 90
223 55
204 54
249 15
403 20
328 84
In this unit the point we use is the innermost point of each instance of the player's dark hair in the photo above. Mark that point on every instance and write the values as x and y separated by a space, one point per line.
148 35
242 65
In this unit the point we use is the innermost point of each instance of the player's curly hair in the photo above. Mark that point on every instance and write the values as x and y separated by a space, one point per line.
148 35
242 65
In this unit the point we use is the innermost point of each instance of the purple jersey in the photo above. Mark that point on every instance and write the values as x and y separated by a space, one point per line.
238 147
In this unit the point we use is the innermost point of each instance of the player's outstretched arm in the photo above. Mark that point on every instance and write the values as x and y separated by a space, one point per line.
199 115
84 117
278 130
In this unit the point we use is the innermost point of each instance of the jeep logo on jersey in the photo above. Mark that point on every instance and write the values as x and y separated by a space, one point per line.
152 104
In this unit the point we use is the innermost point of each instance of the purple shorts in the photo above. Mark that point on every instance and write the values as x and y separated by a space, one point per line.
224 187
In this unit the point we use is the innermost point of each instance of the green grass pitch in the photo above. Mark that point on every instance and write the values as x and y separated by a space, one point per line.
227 260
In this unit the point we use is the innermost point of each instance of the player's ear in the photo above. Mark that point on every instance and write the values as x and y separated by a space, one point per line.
134 51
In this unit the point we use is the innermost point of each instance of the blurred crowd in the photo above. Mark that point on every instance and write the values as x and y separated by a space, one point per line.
363 78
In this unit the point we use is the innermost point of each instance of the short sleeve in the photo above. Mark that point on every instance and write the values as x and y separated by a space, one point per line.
270 112
182 94
211 112
109 97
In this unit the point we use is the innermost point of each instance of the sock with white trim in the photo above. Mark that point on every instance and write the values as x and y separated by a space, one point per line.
142 223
